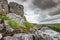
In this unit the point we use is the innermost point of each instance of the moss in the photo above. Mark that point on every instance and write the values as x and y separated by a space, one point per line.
27 24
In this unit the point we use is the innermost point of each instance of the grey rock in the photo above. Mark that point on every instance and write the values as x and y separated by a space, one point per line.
48 34
8 27
18 36
16 18
1 26
4 6
16 8
0 35
23 36
28 37
8 38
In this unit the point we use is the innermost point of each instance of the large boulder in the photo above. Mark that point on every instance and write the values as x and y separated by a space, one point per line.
16 8
4 6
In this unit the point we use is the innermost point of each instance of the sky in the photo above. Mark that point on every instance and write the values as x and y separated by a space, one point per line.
35 14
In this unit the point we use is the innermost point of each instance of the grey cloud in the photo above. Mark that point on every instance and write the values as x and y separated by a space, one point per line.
44 4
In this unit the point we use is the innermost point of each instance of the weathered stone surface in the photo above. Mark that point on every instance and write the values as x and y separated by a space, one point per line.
0 35
8 38
48 34
1 26
20 37
16 18
4 6
8 28
16 8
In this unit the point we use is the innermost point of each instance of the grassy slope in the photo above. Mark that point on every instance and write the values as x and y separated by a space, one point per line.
55 27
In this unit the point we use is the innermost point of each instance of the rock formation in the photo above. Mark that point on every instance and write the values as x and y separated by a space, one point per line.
16 8
4 6
12 7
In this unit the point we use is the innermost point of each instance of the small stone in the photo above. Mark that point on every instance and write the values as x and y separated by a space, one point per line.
8 38
0 35
1 26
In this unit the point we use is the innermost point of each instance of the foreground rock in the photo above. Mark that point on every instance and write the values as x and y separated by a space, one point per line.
0 35
8 27
16 8
1 26
48 34
43 34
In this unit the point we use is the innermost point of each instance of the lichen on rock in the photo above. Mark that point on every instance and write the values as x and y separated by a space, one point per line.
16 8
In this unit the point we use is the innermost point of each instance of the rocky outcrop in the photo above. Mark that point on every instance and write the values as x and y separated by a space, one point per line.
16 8
48 34
12 7
4 6
43 34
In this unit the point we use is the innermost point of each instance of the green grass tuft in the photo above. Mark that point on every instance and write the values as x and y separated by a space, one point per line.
14 24
5 17
27 24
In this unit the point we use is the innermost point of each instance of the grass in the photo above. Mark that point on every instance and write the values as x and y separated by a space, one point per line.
5 17
27 24
14 24
28 27
55 27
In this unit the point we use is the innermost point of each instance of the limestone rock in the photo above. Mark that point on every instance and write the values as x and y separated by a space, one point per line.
16 18
20 37
8 38
4 6
16 8
48 34
1 26
0 35
8 28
